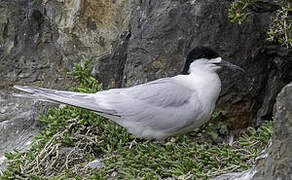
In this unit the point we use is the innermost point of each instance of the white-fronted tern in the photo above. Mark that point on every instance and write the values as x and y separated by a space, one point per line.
157 109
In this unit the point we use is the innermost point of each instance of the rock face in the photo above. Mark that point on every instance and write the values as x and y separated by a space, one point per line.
40 40
132 42
278 163
275 162
18 123
163 32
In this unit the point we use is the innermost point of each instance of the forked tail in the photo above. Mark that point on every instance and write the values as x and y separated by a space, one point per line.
83 100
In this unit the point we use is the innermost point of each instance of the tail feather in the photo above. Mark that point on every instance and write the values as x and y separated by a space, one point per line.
84 100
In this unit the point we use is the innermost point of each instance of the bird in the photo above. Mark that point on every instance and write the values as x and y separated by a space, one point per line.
157 109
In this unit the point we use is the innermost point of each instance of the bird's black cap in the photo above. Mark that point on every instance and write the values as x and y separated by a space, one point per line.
198 53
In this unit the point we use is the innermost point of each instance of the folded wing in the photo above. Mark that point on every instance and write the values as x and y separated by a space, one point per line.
156 109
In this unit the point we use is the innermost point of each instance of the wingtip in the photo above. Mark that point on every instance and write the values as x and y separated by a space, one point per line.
27 89
17 86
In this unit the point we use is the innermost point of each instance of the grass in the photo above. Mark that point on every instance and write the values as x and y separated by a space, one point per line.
73 137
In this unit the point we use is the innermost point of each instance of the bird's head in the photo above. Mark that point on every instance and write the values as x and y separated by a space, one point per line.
205 59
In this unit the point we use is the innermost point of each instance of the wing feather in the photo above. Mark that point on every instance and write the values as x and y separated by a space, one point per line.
162 106
163 93
84 100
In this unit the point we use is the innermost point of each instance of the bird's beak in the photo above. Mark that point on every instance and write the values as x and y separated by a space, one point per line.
230 65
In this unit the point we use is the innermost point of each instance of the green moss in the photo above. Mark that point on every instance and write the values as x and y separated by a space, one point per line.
73 137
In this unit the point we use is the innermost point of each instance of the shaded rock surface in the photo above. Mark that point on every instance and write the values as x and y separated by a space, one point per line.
245 175
278 165
132 42
276 161
18 123
40 40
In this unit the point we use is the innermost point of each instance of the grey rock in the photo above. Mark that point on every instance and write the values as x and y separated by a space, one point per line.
30 52
278 164
41 40
245 175
95 164
18 123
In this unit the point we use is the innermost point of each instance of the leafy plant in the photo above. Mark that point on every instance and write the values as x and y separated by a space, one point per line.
280 30
82 74
238 11
218 127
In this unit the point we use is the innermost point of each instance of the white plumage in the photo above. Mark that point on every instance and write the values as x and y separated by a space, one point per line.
157 109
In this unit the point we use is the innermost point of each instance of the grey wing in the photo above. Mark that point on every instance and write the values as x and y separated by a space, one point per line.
160 107
164 92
